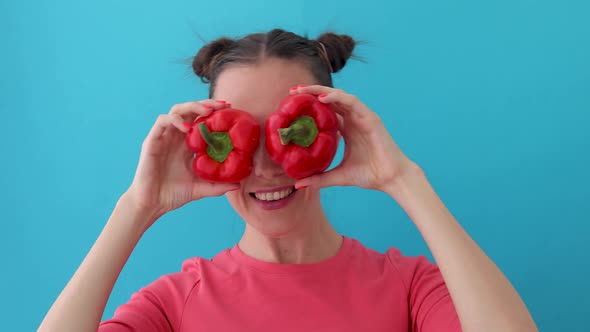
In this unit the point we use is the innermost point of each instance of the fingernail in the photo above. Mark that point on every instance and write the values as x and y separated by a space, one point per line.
207 106
301 85
294 88
187 125
322 95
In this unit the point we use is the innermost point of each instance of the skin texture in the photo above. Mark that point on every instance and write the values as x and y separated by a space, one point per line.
303 143
300 232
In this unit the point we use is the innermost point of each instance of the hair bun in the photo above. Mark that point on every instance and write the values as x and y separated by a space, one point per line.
203 62
338 48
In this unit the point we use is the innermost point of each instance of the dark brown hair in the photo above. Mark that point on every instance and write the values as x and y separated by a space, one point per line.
323 56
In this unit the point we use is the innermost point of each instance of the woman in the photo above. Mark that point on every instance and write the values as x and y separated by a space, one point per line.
291 271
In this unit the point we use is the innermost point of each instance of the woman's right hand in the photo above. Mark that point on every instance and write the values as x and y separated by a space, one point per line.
164 179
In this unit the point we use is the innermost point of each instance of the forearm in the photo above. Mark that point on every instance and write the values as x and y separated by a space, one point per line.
81 304
483 297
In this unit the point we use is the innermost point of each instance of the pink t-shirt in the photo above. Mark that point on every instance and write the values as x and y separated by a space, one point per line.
358 289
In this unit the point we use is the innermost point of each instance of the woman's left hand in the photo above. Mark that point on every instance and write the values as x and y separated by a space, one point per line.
372 159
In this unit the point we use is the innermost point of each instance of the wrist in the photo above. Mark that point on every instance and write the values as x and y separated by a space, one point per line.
407 182
136 214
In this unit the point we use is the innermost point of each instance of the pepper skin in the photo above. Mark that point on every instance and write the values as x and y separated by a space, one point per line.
302 135
224 143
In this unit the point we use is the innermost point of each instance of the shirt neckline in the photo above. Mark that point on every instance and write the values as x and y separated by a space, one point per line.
276 268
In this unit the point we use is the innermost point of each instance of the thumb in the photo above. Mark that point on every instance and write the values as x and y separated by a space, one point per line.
327 179
209 189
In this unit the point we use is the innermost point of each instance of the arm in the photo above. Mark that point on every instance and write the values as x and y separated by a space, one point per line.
81 304
484 298
163 182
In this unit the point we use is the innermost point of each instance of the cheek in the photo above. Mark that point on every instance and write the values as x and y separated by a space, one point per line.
239 201
235 198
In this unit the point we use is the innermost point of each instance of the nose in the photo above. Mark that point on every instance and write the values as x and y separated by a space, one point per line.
264 166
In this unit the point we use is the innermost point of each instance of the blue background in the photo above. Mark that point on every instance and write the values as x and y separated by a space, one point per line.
492 99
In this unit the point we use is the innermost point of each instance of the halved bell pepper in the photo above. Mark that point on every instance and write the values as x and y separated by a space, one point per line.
224 143
302 135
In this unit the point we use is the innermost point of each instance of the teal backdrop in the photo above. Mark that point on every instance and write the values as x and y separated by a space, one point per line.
491 98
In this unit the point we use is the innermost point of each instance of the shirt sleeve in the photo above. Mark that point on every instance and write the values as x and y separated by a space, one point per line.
430 304
156 307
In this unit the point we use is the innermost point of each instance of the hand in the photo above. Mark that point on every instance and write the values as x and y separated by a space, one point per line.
371 159
164 179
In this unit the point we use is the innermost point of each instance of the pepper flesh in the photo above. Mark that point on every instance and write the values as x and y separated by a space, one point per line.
224 143
302 135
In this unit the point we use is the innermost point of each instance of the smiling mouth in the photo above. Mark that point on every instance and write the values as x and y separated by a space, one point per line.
273 196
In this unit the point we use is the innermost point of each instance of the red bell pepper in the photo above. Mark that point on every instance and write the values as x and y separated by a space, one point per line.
224 143
302 135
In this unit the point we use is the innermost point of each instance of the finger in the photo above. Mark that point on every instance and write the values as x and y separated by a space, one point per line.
330 178
219 104
164 127
178 122
194 108
344 103
159 127
339 97
157 130
210 189
340 123
311 89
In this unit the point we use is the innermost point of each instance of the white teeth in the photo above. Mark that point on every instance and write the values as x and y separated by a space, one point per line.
273 196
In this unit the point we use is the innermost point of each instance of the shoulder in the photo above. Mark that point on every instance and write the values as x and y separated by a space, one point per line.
392 256
405 267
193 269
172 289
159 305
416 271
407 263
430 303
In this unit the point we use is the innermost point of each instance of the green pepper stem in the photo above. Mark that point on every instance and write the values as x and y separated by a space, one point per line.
208 137
303 131
219 143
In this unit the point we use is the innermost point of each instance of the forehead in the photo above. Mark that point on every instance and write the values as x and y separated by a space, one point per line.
259 87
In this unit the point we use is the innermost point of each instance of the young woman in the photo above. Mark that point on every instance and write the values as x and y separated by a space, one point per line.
291 271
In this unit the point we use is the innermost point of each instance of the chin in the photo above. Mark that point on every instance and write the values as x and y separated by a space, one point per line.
272 229
275 221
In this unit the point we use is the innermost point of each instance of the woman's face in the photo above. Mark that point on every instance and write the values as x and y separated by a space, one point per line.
259 89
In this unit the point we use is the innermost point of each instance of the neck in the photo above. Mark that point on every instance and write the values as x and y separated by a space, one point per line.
310 242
